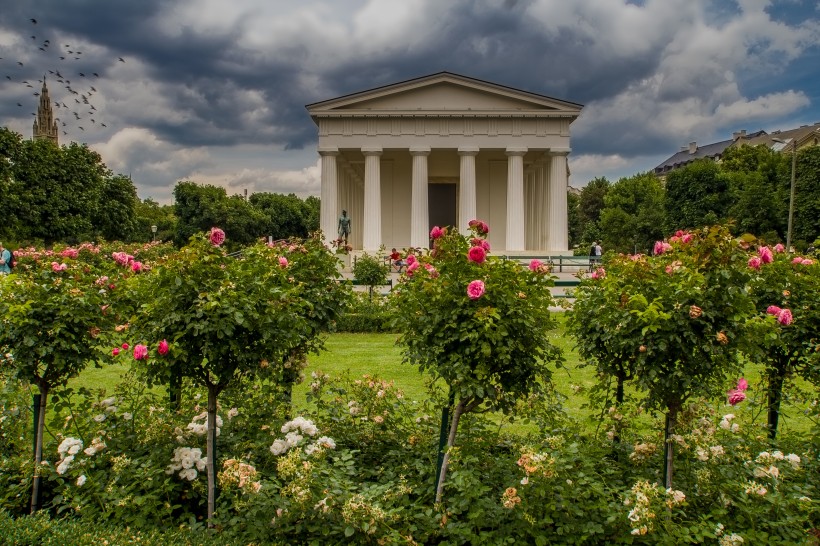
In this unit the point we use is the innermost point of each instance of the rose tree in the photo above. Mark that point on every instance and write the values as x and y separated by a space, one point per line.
786 289
226 317
675 322
52 312
480 324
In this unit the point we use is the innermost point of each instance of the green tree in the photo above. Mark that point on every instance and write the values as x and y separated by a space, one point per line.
478 324
226 318
198 207
786 289
806 226
370 271
592 203
758 182
574 224
286 215
696 195
149 213
633 215
52 314
115 218
675 322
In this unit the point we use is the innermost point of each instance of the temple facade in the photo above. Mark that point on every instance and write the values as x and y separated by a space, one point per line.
45 126
442 150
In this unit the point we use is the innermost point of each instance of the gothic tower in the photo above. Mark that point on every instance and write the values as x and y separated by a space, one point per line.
45 127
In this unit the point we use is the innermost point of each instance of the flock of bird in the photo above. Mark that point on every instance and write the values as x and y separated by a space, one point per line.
72 104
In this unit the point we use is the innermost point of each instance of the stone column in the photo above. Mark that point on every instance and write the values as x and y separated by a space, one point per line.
542 204
466 188
558 227
516 235
372 221
419 207
329 206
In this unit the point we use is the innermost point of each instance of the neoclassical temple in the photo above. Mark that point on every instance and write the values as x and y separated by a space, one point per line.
442 150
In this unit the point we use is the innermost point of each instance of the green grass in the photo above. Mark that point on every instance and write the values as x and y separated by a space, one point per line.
378 354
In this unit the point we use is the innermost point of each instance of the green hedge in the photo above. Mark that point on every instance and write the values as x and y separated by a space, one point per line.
367 316
41 530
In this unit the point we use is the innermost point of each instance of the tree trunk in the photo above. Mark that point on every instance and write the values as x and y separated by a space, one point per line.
38 449
668 451
775 395
211 452
451 440
619 390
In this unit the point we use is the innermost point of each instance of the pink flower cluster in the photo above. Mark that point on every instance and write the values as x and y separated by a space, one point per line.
755 262
681 236
436 232
217 236
476 241
475 289
765 254
802 261
283 262
661 247
480 227
779 248
599 273
57 267
738 394
122 258
141 351
70 253
783 316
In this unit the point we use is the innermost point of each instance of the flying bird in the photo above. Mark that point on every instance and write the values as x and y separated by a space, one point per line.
81 128
103 124
18 104
36 94
81 74
18 62
97 75
122 60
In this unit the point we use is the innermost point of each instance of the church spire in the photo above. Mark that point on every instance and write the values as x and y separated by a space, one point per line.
45 127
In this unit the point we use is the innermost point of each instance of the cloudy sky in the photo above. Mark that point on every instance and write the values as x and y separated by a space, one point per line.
214 91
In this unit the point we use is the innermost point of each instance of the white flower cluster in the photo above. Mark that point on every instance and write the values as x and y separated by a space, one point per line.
733 539
96 446
199 424
184 461
293 438
764 457
67 449
726 423
713 452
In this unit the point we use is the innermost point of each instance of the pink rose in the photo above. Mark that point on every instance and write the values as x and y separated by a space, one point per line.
599 273
140 352
217 236
115 351
283 262
125 346
765 254
477 254
432 270
70 253
163 347
436 232
779 248
742 384
784 317
686 238
480 227
661 247
136 267
797 260
534 265
772 310
411 259
736 396
806 261
58 267
412 267
475 289
754 262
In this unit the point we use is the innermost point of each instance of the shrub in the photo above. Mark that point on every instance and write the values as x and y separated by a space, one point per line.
367 315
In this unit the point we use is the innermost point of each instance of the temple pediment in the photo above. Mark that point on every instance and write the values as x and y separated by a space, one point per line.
444 94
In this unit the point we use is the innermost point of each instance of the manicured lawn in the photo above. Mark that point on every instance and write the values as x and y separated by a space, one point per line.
378 354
